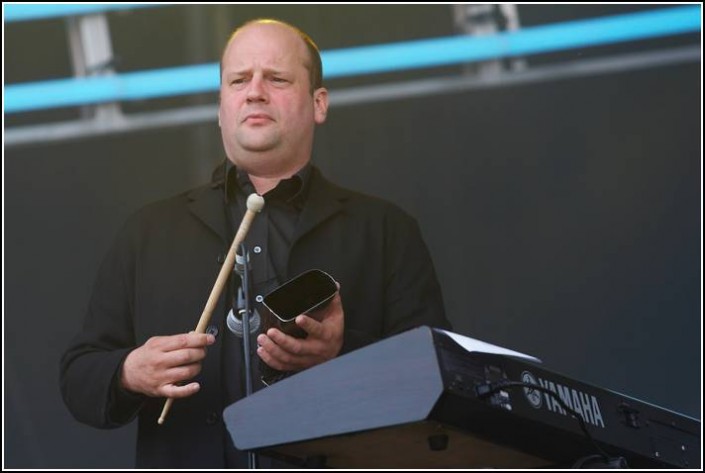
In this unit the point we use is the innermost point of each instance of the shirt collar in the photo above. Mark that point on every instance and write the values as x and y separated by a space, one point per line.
292 190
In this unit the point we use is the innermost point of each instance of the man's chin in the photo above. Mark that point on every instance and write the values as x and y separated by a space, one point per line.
259 145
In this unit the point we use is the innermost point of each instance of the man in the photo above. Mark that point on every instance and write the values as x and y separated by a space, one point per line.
135 348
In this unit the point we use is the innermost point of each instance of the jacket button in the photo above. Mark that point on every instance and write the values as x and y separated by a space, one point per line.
212 330
212 418
220 259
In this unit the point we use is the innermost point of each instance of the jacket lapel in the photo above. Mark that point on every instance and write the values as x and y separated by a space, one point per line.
206 203
324 201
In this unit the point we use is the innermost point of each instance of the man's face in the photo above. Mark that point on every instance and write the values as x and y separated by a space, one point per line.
267 112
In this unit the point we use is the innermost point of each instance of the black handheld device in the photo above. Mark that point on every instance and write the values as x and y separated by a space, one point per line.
304 294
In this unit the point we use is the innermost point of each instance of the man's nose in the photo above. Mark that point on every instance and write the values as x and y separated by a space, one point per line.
256 91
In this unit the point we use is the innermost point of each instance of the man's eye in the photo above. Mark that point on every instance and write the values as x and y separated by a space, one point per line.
238 81
278 79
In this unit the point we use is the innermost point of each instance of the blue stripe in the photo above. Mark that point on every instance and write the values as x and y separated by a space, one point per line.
25 12
533 40
130 86
365 60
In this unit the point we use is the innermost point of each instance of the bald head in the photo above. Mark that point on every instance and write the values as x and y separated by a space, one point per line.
269 106
311 58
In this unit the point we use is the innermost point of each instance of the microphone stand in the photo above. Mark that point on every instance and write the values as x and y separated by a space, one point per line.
244 309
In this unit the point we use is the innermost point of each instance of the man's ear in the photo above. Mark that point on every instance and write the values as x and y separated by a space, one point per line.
320 105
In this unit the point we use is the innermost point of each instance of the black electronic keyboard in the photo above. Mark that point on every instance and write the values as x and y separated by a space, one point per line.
420 400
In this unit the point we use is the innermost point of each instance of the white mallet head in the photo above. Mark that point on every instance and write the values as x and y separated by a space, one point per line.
255 203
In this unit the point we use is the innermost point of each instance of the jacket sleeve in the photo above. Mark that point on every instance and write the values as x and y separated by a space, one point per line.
411 292
90 367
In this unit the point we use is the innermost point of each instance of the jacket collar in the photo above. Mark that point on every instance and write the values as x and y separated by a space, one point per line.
324 200
206 203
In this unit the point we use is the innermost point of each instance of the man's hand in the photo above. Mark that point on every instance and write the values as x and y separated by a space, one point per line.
324 340
159 366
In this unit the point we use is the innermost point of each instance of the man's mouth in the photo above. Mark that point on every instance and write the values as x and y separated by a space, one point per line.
257 118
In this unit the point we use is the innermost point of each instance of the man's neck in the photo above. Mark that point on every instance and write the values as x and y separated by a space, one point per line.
265 184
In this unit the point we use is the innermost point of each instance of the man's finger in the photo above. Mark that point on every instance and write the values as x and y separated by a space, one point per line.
269 345
288 343
176 392
184 357
280 359
187 340
310 326
182 373
295 363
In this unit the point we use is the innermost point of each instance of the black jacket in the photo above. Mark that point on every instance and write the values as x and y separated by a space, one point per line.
157 277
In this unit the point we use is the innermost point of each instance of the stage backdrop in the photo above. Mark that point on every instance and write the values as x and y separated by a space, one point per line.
563 216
